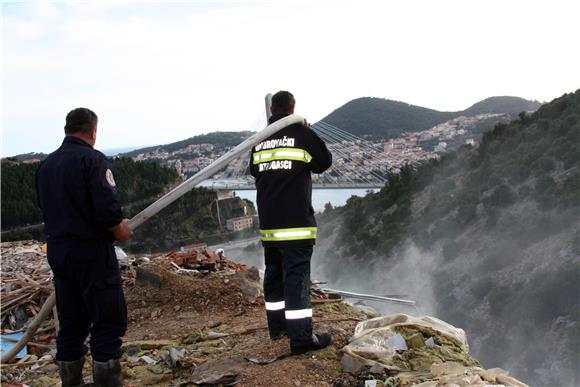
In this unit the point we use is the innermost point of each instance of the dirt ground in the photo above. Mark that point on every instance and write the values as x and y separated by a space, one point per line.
201 318
185 307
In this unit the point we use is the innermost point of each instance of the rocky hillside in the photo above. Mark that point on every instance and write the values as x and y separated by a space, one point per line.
383 118
486 238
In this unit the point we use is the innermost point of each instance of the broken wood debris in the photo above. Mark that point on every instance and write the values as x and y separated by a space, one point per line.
26 283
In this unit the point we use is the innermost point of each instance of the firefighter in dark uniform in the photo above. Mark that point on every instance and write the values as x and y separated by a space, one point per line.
82 217
282 165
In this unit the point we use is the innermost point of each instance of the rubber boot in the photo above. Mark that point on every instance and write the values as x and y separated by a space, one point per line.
318 341
71 372
107 373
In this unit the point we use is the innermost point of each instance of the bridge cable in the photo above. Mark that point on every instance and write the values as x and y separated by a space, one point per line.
325 131
344 155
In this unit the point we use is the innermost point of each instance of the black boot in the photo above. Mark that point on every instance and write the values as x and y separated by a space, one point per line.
107 373
319 341
278 335
71 372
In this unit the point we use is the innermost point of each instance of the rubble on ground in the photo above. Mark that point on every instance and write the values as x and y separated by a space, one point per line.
196 318
402 350
26 284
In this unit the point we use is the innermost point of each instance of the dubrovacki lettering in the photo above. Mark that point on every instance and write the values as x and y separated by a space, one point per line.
275 143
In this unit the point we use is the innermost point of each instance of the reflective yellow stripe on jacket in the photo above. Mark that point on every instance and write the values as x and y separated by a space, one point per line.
281 154
288 234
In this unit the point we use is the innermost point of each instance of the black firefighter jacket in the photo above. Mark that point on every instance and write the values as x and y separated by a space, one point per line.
282 165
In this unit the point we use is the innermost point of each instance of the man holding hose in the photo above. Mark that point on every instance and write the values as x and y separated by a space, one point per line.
82 218
282 165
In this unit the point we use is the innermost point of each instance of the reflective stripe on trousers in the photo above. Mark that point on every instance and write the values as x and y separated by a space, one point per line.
287 292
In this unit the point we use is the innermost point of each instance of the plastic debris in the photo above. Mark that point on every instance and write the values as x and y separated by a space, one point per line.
8 341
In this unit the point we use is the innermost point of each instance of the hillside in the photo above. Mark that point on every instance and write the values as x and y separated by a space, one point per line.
506 104
486 238
384 118
139 184
214 138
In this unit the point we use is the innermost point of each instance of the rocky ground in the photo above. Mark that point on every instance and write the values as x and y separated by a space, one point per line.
198 319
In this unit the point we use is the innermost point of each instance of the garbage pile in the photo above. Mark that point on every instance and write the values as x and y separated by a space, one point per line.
189 261
204 260
401 350
26 283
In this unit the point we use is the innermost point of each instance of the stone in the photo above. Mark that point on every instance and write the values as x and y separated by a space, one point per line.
249 283
222 371
509 381
377 368
447 368
430 383
351 365
491 374
144 276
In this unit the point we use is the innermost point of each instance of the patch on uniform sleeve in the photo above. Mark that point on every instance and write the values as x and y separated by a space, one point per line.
110 179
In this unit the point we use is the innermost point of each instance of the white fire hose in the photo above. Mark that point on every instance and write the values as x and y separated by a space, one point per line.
160 204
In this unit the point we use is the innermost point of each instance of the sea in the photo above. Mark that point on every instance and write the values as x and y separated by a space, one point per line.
320 196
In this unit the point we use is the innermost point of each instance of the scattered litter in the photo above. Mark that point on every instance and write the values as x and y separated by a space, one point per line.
148 359
6 344
216 335
267 361
223 371
176 355
120 253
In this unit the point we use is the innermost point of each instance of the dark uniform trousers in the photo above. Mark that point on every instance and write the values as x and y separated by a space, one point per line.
287 292
89 298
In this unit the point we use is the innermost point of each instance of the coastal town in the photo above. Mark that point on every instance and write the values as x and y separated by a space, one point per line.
356 160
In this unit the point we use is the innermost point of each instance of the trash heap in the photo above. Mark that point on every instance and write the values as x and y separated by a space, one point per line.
26 283
204 260
191 261
401 350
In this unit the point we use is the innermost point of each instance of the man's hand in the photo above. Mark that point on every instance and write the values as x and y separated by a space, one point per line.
306 123
122 231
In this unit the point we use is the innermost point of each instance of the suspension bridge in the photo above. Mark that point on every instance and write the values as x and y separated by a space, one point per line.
357 163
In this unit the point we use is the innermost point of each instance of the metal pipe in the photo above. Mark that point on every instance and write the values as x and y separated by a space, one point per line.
268 101
371 297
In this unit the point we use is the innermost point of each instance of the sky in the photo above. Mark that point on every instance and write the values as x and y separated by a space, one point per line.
159 72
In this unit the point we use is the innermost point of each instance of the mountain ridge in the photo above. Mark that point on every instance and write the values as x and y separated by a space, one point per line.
364 116
379 117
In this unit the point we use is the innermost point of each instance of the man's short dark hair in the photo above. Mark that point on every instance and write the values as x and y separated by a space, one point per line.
282 102
80 120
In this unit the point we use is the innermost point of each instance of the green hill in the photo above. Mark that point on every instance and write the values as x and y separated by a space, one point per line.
513 105
384 118
139 184
216 138
486 238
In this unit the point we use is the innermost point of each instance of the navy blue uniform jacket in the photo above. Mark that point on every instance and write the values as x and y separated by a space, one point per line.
76 191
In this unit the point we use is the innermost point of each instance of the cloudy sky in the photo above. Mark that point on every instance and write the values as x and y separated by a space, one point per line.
157 72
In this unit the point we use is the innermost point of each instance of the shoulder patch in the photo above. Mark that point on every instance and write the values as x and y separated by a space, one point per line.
110 179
